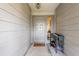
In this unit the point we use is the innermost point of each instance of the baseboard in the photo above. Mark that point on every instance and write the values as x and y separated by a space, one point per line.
27 49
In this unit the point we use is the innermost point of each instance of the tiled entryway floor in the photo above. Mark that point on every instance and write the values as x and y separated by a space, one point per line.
38 51
42 51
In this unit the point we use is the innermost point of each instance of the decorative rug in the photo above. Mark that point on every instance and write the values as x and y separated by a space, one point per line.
39 45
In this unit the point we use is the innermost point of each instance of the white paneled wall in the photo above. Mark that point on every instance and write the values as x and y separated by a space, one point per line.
68 24
14 29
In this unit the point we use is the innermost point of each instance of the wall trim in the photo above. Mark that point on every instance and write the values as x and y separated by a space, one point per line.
27 50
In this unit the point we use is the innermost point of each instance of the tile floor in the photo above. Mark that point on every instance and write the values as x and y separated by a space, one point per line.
42 51
53 53
38 51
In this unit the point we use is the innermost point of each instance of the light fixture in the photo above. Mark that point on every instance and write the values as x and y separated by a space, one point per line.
38 5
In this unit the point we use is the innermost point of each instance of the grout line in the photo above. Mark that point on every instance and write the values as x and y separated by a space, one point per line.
17 10
71 24
13 14
10 22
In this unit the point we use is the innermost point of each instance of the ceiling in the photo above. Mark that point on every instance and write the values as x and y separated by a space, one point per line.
45 8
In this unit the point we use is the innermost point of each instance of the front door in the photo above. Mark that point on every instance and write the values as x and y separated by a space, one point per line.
40 29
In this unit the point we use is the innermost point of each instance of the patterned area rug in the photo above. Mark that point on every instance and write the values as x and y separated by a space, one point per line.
39 45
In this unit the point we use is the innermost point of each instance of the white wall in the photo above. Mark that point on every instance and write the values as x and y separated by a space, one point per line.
14 29
54 24
68 25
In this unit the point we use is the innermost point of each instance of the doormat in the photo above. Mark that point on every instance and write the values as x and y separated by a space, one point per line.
39 44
